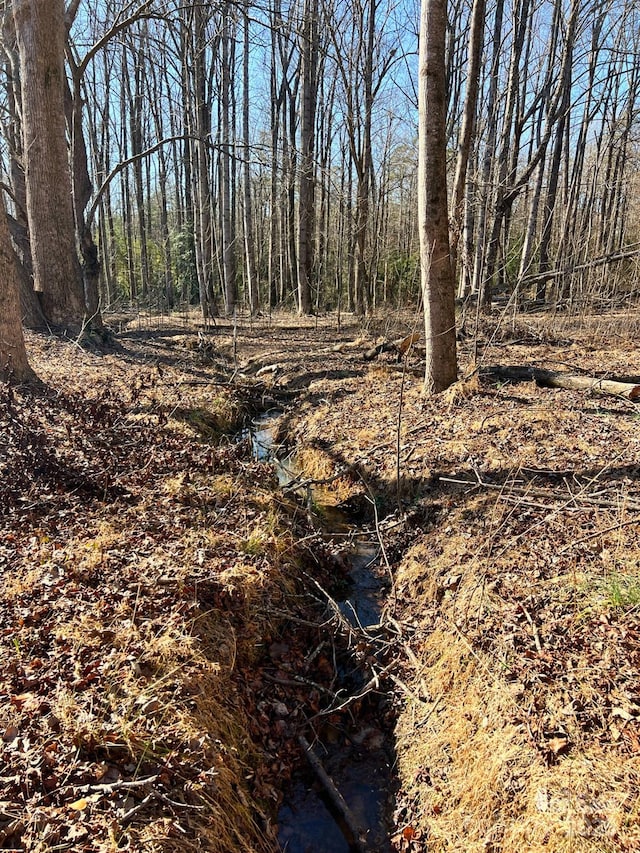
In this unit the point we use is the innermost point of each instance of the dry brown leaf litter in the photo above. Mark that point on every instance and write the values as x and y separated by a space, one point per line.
518 601
520 598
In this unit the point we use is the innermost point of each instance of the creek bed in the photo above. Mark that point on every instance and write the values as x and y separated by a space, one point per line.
355 748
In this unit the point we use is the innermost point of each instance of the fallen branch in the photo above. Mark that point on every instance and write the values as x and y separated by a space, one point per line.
157 795
369 687
400 346
128 816
338 801
581 501
299 681
617 526
615 257
570 381
298 483
109 788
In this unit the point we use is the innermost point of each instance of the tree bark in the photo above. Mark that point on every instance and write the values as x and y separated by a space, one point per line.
467 130
41 35
251 271
435 259
306 197
226 166
82 189
14 364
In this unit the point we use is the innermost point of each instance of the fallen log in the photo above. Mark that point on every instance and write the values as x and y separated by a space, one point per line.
559 379
357 831
400 345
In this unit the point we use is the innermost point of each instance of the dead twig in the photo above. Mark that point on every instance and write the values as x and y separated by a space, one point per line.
128 816
298 483
534 628
618 526
299 681
297 619
157 795
369 687
551 494
110 787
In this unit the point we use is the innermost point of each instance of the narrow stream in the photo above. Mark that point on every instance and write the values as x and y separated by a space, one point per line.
356 753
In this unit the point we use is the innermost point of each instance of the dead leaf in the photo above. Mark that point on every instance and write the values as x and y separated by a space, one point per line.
622 713
81 804
557 744
10 734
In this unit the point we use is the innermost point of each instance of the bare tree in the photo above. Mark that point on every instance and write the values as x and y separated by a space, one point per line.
227 161
468 127
306 183
435 258
247 206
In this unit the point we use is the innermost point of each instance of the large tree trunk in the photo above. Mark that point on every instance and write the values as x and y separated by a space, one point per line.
435 259
41 37
13 356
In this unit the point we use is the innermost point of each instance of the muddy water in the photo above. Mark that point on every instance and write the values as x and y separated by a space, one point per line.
357 756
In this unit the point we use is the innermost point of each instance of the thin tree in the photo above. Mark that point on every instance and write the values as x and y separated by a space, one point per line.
227 161
306 201
467 130
435 258
247 206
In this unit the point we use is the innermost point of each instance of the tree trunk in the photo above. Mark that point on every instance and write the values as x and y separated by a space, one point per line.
468 128
199 164
41 38
226 161
82 190
488 162
247 207
306 197
135 98
435 259
363 168
13 355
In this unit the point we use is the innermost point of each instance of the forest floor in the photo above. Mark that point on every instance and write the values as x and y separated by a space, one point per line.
162 642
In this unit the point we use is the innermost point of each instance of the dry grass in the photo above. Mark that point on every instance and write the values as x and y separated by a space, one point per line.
129 620
520 721
519 598
527 736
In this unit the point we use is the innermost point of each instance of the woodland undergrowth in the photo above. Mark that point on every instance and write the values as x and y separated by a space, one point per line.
156 619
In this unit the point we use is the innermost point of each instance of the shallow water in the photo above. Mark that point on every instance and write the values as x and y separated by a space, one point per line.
307 824
357 759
